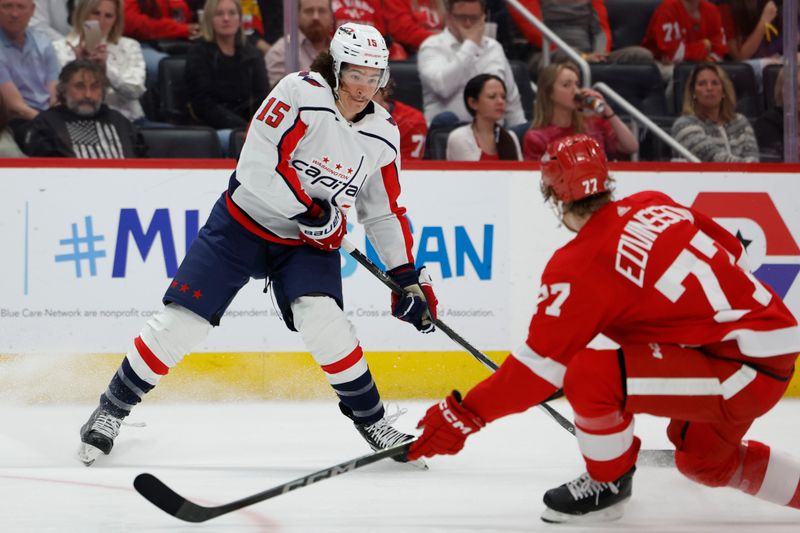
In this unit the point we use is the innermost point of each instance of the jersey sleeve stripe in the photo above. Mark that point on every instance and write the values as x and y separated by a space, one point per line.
286 146
766 343
548 369
391 182
393 147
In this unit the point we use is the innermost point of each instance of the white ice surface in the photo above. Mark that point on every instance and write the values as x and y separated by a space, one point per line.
216 453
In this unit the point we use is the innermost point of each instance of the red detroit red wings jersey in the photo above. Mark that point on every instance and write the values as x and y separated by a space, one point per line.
648 270
674 35
359 11
413 130
299 147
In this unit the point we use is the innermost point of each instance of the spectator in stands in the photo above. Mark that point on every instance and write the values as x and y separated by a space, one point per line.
81 125
225 76
769 126
8 146
410 122
582 24
120 56
560 110
154 20
52 17
753 29
484 139
709 126
315 21
686 30
409 22
451 58
28 63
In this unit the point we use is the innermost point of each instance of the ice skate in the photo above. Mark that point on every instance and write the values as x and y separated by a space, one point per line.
97 435
381 435
586 500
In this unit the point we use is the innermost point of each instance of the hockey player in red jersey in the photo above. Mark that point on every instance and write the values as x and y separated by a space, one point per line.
317 147
702 342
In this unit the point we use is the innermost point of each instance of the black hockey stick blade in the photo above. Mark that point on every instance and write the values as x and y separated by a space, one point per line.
159 494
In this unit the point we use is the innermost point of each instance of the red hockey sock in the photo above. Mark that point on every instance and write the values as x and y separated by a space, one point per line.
767 474
593 385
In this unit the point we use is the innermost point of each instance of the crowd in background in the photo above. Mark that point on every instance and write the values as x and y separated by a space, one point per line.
468 55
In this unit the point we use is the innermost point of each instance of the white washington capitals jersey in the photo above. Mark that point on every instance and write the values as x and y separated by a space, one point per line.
299 147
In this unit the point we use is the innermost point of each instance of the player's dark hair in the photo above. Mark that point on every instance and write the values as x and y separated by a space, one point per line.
323 64
72 68
506 149
388 91
590 204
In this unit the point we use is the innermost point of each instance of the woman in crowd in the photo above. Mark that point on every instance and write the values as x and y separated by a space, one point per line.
769 126
225 75
753 29
709 125
484 139
121 56
560 111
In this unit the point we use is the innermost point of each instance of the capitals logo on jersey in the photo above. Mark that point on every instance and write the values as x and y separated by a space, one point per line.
773 253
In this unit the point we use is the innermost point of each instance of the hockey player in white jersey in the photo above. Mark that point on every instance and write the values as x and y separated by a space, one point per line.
317 147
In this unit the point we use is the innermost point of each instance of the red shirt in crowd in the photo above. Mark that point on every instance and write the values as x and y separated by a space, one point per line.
674 36
413 129
536 140
409 22
157 19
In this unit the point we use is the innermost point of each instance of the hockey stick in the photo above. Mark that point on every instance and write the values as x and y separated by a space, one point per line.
169 501
375 270
646 457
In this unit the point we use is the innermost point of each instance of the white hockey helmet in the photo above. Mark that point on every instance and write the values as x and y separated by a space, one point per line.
359 44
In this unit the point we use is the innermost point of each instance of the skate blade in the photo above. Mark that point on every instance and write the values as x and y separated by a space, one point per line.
608 514
418 464
88 453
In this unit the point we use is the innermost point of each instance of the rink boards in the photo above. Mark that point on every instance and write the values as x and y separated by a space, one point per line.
90 248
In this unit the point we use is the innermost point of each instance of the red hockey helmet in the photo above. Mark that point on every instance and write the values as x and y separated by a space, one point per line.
574 168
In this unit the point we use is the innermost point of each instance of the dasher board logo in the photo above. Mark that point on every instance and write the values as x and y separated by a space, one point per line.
772 251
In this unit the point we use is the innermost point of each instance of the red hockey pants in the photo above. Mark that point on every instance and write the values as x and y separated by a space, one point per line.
711 403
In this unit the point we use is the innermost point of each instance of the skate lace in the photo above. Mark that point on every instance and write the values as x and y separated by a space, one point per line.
584 487
107 425
382 431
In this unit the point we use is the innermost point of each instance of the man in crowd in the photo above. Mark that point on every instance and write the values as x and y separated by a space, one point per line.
451 58
81 125
315 21
28 64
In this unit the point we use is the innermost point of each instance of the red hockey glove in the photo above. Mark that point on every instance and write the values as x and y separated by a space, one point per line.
417 304
323 226
446 426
